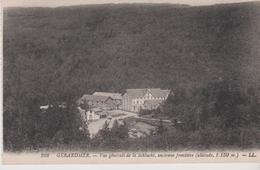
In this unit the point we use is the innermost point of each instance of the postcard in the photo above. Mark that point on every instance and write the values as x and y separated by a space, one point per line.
87 82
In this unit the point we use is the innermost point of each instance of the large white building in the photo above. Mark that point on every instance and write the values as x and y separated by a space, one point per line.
136 99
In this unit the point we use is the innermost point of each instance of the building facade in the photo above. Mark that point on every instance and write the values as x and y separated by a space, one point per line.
92 101
89 115
136 99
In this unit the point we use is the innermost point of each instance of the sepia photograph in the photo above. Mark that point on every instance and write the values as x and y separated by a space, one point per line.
142 81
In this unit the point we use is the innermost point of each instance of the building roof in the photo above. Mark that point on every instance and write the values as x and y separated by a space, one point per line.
87 97
115 96
156 92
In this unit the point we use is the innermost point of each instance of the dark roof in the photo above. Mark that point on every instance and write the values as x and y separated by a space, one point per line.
115 96
88 97
155 92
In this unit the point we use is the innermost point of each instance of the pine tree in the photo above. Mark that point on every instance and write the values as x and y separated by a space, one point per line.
161 128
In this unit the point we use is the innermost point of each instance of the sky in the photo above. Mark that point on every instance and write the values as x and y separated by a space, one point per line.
56 3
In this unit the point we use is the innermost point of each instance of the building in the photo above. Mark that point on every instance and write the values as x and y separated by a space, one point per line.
151 104
117 98
136 99
62 105
114 96
89 115
93 101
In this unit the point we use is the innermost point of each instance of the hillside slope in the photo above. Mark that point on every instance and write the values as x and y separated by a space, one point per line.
69 51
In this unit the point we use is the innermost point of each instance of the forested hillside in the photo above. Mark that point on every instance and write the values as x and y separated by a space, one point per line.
58 54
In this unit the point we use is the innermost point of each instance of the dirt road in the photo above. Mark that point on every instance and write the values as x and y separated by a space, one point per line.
95 126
